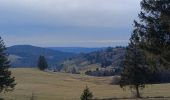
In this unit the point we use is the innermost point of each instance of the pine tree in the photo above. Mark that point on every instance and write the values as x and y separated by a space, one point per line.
7 82
135 71
153 31
42 63
86 95
73 70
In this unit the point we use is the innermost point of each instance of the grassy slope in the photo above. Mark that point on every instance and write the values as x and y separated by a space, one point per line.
62 86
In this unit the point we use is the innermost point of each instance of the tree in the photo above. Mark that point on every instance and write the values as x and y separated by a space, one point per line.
7 82
135 71
74 70
32 97
42 63
152 31
86 95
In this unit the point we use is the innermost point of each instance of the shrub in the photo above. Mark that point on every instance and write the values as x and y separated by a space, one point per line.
86 95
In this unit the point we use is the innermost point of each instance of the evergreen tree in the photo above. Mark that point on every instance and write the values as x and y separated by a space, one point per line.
86 95
135 71
73 70
7 82
152 31
42 63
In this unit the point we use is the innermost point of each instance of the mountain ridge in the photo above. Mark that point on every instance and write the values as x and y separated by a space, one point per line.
77 50
27 55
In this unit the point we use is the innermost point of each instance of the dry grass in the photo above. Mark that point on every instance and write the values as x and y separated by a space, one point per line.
62 86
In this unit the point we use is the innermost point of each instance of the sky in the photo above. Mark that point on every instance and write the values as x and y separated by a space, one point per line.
67 23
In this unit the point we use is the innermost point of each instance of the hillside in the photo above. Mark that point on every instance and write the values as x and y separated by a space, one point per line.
62 86
75 49
107 59
27 55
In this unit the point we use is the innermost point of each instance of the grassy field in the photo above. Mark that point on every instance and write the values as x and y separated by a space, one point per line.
62 86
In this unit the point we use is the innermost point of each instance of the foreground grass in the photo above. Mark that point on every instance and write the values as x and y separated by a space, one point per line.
62 86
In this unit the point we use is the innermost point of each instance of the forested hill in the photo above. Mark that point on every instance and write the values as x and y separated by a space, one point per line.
27 55
76 50
107 59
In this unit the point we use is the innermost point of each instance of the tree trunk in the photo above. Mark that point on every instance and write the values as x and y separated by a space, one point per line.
137 91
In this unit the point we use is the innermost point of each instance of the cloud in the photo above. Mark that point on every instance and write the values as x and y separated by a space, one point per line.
84 13
45 40
92 21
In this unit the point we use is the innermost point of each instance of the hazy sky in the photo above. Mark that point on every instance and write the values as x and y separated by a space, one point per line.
83 23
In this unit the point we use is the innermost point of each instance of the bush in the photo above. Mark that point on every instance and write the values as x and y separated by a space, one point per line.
115 80
86 95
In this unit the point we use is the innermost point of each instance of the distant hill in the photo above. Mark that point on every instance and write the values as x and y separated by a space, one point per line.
75 49
106 59
27 55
